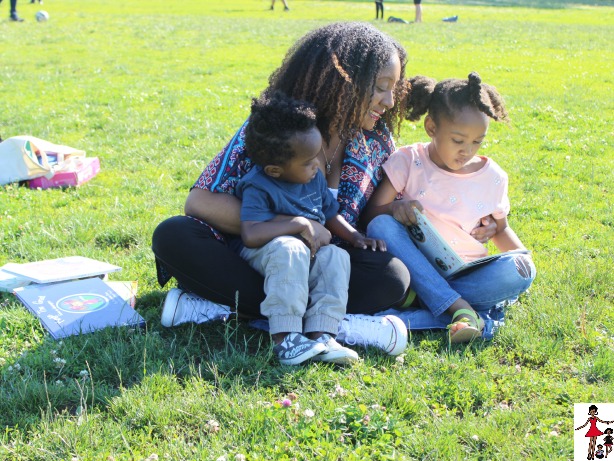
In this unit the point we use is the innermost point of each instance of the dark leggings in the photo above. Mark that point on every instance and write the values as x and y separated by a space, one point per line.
379 7
188 251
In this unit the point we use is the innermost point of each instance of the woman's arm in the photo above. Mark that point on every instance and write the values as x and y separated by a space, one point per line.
505 239
220 210
342 229
258 233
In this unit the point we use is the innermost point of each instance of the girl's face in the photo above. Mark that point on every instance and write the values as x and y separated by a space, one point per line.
383 93
303 166
455 142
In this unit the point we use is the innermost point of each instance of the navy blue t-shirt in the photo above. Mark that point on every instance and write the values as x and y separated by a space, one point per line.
264 197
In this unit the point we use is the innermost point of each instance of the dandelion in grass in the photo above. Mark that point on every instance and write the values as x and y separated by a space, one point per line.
308 413
212 426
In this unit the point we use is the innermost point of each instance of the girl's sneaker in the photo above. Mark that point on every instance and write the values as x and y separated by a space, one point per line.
336 352
386 332
296 348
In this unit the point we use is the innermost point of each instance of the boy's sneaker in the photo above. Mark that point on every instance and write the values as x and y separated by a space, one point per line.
387 332
15 17
336 352
181 307
296 348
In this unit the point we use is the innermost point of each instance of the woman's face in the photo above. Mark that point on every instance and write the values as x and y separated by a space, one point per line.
383 93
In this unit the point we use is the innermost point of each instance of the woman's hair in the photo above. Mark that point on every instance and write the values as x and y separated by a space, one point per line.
335 68
274 119
448 97
592 407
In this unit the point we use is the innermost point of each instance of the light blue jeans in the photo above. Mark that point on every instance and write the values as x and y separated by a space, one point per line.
302 295
486 288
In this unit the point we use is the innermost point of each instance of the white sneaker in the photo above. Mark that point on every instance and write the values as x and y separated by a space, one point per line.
336 352
181 307
387 332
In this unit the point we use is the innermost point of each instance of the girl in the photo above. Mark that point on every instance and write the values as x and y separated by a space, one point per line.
456 189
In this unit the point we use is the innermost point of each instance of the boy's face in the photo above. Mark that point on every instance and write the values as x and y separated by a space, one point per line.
304 164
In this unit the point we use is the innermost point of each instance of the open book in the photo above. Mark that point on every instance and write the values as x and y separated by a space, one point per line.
443 258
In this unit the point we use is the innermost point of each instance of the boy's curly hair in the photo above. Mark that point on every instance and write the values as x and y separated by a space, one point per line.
335 68
448 97
274 119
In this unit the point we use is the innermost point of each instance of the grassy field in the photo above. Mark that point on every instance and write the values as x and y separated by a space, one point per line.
155 89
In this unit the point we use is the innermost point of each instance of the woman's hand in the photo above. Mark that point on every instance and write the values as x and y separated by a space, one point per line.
403 211
360 241
485 230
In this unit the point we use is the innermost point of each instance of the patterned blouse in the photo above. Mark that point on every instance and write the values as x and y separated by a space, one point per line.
361 172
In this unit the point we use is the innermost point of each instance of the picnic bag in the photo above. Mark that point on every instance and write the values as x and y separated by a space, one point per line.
27 157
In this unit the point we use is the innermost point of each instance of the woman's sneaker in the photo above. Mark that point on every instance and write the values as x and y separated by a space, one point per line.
336 352
296 348
386 332
181 307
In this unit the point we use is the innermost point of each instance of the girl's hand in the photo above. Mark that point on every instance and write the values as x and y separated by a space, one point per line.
360 241
403 211
485 230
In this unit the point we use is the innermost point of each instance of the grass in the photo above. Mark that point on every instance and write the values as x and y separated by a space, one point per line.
155 89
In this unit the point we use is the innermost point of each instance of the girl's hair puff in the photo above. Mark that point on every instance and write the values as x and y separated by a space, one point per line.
448 97
274 120
334 68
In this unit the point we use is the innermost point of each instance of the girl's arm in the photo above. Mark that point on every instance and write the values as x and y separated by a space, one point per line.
505 239
383 202
258 233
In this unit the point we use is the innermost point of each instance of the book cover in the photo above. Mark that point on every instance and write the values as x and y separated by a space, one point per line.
441 255
76 307
81 171
57 270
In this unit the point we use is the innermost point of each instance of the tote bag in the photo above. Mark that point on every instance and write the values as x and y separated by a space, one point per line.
27 157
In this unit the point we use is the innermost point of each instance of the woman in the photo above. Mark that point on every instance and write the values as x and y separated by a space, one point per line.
353 74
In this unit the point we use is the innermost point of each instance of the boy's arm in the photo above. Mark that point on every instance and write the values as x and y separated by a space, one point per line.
505 239
258 233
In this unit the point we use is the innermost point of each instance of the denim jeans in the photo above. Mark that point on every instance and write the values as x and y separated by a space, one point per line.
302 295
486 287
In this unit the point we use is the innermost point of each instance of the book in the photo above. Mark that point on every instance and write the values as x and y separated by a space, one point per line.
76 173
61 269
441 255
77 307
126 290
8 281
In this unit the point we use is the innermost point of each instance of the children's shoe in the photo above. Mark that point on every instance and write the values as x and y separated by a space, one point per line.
181 307
336 352
387 332
296 348
15 17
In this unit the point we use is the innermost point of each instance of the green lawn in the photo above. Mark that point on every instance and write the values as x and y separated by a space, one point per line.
155 89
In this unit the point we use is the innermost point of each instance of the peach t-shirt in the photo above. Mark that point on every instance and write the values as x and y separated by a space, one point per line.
453 202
